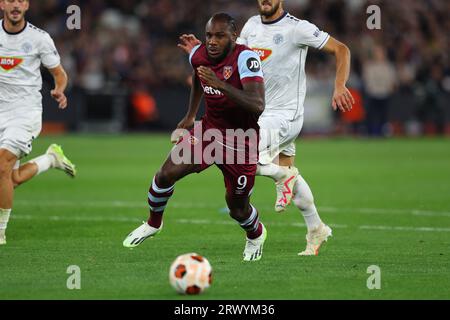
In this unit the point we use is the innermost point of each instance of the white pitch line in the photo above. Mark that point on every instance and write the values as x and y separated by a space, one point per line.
414 212
392 228
142 204
272 224
211 222
136 220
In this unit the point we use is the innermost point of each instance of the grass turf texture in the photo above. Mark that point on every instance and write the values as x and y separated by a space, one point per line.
378 195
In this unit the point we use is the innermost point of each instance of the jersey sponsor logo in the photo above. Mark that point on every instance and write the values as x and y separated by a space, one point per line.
9 63
227 72
262 53
211 91
253 64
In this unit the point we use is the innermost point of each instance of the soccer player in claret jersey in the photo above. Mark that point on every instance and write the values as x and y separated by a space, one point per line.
282 41
23 48
230 78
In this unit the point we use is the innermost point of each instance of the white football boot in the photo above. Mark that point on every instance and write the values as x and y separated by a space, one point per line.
315 239
140 234
254 247
285 189
61 161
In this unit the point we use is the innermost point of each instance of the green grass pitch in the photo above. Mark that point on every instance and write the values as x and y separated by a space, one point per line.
388 203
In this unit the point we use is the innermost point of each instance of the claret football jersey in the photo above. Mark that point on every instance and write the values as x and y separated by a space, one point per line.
241 65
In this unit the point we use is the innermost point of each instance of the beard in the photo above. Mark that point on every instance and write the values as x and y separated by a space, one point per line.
15 20
271 12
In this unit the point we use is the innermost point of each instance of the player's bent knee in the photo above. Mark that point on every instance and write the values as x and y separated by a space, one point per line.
16 179
239 214
166 177
5 173
6 169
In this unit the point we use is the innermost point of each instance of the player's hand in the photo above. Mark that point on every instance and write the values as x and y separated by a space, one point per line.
181 129
209 77
342 99
188 42
60 97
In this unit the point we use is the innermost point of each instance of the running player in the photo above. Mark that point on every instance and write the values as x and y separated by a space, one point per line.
230 78
23 48
282 41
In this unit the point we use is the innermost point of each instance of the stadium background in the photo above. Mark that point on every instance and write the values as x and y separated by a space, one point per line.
127 73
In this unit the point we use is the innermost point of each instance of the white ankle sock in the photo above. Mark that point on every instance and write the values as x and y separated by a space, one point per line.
44 163
304 200
4 218
271 170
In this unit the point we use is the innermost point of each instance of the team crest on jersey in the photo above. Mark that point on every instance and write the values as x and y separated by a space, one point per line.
317 33
262 53
9 63
278 38
27 47
227 72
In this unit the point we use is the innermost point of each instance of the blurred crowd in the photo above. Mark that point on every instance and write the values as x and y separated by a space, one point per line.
133 45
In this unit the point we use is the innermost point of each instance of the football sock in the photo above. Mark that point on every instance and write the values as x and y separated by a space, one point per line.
44 163
304 200
157 200
252 225
4 218
271 170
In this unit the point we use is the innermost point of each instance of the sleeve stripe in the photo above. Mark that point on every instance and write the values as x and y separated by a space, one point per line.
324 42
52 66
193 52
252 79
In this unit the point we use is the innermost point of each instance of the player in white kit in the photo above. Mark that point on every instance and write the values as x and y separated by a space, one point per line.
23 48
282 42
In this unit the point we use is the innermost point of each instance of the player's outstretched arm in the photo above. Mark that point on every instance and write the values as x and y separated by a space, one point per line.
251 98
194 104
188 42
342 98
61 80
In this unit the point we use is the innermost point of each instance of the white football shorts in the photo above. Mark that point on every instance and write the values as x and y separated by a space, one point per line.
277 136
18 128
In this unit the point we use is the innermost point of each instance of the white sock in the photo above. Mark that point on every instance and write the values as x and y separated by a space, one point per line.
44 163
4 218
271 170
304 200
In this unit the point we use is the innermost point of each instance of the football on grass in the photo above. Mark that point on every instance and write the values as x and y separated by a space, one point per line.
190 274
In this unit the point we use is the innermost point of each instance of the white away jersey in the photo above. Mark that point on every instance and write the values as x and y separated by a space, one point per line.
21 56
283 46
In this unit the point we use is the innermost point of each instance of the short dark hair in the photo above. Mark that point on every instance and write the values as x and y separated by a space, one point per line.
225 17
